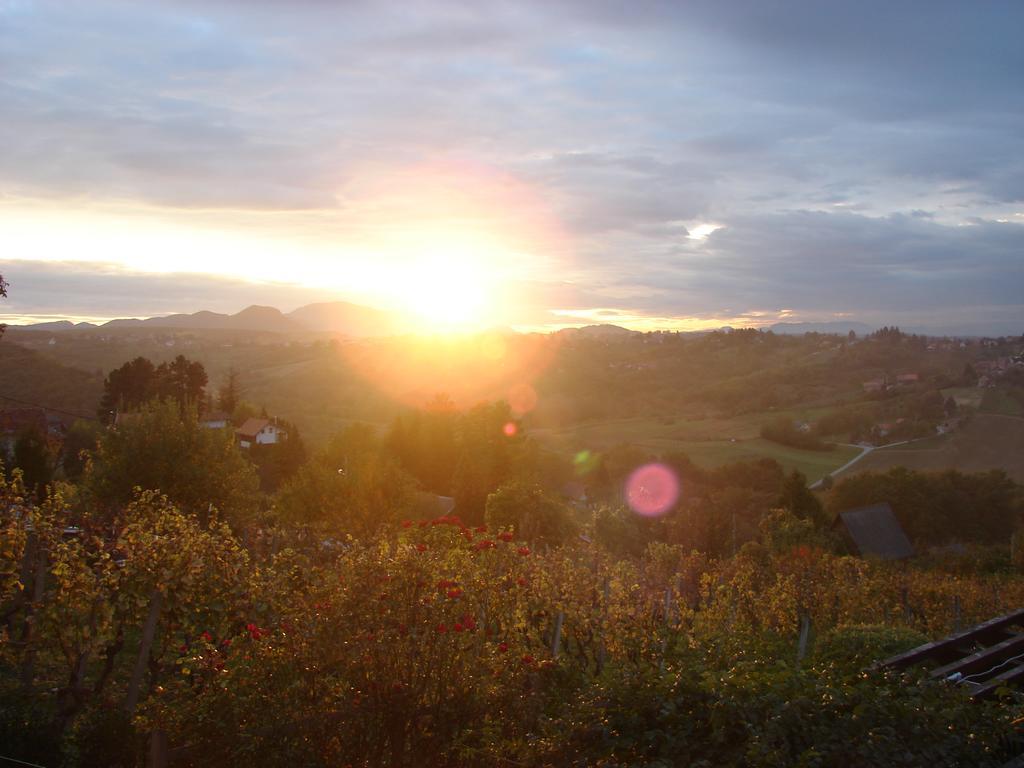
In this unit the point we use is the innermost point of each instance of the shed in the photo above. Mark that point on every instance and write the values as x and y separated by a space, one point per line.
875 532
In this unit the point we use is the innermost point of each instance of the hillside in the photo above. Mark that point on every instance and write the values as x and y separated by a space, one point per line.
988 441
29 377
707 395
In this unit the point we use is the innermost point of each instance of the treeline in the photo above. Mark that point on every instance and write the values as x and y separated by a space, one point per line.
936 508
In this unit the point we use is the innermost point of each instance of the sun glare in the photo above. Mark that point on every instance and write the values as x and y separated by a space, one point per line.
445 294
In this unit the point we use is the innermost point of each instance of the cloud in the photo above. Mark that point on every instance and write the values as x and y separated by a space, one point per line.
846 142
94 289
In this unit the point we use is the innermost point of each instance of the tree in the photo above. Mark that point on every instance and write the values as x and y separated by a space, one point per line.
81 437
533 515
352 487
487 457
127 388
161 448
138 381
800 501
34 456
229 396
182 380
424 442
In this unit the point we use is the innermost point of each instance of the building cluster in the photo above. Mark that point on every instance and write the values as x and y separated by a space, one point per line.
990 371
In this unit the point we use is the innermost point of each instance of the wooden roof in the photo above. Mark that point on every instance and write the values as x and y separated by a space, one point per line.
876 532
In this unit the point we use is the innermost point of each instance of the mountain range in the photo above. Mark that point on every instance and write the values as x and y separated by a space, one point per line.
360 321
332 317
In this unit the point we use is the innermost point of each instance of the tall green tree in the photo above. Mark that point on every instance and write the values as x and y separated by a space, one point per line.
138 381
182 380
35 457
230 393
127 387
800 500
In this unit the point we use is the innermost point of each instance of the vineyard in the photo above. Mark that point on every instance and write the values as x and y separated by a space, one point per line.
153 638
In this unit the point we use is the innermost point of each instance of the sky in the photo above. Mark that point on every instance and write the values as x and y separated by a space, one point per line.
656 165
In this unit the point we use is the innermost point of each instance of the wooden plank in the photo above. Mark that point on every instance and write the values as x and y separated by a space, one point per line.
989 687
984 659
940 649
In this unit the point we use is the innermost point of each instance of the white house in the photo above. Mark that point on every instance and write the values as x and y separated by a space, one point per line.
259 431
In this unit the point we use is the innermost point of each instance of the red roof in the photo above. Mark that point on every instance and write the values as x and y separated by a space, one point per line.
252 427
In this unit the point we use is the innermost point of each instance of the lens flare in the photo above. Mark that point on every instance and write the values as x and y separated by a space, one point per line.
652 490
585 462
510 429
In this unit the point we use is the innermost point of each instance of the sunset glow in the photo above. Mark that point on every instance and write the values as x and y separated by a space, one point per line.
464 169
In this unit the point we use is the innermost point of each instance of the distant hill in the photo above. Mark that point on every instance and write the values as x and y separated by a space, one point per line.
57 325
347 318
838 327
603 331
331 317
254 318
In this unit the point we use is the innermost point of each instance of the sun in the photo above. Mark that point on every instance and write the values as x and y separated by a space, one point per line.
446 291
447 296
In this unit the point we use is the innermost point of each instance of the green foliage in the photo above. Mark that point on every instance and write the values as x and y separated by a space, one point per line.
424 442
763 713
83 436
621 532
162 448
353 487
35 456
432 642
229 396
798 499
855 646
782 531
138 382
534 515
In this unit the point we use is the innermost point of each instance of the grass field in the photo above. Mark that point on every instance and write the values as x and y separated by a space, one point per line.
708 442
989 441
969 396
999 401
